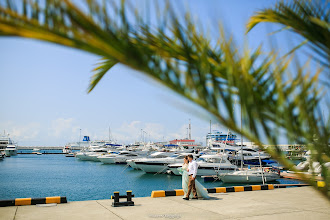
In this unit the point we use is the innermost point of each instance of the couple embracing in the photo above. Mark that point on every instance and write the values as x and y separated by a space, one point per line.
191 187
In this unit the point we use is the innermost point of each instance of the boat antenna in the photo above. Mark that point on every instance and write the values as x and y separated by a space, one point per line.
210 126
109 134
189 130
79 137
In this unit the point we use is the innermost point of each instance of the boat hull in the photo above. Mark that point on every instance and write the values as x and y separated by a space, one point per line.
10 153
83 157
132 164
107 160
204 171
152 168
230 178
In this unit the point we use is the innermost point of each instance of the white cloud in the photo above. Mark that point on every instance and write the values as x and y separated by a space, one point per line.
23 132
64 128
130 132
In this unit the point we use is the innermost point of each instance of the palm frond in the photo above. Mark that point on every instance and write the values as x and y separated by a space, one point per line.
310 19
100 71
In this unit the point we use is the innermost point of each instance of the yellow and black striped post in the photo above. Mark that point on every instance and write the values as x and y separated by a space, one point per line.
32 201
179 192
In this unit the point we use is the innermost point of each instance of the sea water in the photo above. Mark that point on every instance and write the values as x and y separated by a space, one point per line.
31 175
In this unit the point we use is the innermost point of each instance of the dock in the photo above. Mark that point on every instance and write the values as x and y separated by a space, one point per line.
297 177
286 203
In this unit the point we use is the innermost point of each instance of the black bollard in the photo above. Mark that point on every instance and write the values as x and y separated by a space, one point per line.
116 198
129 195
116 195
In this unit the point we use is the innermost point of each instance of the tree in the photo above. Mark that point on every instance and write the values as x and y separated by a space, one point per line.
212 73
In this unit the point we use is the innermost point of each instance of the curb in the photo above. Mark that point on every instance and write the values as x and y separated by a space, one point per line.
179 192
289 185
32 201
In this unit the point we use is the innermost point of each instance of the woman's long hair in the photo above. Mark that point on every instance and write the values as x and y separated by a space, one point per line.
186 158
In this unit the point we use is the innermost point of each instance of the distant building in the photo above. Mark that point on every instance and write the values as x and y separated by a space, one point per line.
219 137
186 143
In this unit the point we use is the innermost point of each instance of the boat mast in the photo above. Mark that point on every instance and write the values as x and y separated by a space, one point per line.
241 141
79 138
262 171
109 134
189 130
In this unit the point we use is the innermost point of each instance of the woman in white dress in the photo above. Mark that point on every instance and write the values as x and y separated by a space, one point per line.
201 191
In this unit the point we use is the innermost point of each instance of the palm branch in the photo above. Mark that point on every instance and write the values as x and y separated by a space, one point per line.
213 74
309 19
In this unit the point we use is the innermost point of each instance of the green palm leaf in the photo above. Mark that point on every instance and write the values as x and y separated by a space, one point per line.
310 19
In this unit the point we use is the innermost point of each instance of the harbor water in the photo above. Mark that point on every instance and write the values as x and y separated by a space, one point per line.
31 175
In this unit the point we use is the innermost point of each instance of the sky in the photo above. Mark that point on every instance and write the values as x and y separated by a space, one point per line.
45 100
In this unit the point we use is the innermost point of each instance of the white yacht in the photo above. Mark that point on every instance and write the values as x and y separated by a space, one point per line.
120 158
208 165
155 155
5 141
159 165
250 156
259 175
67 149
11 150
91 153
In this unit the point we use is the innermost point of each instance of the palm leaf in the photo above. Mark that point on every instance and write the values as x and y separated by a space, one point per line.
310 19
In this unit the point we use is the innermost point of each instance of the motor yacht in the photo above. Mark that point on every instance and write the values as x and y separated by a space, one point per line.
119 158
91 153
160 165
67 149
11 150
250 157
155 155
208 165
6 143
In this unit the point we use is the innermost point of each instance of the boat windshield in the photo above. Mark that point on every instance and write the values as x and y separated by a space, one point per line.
201 160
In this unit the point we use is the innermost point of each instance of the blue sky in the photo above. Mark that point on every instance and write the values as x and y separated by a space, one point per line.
44 98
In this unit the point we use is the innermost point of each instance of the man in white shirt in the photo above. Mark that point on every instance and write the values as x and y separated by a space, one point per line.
192 172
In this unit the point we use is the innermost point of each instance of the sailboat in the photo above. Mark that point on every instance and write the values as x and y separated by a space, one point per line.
259 175
268 174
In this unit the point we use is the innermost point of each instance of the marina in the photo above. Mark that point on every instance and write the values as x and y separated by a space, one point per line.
101 167
31 175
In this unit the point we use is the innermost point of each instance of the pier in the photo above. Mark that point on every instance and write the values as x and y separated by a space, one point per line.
287 203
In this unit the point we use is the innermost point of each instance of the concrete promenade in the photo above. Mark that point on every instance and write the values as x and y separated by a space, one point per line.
288 203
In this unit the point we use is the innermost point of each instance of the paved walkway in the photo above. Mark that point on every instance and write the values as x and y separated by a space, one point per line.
289 203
